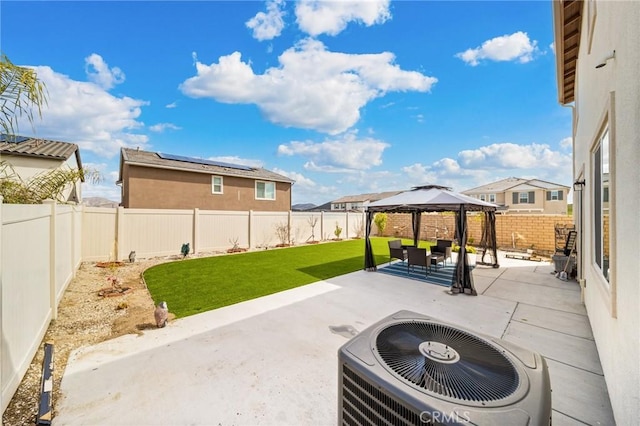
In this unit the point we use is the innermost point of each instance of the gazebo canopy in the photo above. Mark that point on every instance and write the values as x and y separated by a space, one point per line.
431 198
434 198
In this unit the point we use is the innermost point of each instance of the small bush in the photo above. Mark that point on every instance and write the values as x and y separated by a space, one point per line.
470 249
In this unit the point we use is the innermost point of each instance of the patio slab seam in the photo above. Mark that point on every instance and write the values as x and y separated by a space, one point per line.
492 282
570 416
550 329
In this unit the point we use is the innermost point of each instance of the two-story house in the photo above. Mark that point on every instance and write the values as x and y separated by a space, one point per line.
515 195
153 180
30 157
360 201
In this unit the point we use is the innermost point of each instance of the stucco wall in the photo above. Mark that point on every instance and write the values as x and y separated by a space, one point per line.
611 93
151 188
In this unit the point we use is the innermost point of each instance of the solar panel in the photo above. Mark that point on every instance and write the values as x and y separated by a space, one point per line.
13 138
203 161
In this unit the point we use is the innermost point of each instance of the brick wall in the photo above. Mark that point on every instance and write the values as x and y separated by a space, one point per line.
523 230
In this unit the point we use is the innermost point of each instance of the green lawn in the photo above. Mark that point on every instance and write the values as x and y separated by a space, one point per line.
197 285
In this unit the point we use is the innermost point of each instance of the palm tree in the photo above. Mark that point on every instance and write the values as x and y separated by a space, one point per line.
20 93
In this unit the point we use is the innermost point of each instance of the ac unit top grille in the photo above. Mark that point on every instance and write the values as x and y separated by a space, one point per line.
446 361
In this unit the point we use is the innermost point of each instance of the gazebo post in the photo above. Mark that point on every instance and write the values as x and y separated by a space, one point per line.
415 223
369 261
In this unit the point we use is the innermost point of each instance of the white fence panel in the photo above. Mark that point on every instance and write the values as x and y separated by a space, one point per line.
331 220
99 240
301 228
26 290
65 266
219 230
355 222
264 228
154 232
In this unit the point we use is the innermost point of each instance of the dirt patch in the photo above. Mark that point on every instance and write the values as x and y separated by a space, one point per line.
86 318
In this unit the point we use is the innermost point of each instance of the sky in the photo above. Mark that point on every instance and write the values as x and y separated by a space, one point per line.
342 97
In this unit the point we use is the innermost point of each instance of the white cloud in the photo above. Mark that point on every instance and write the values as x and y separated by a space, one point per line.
98 71
317 17
492 163
552 46
232 159
513 156
88 115
516 46
161 127
567 143
106 188
171 105
346 153
329 98
267 26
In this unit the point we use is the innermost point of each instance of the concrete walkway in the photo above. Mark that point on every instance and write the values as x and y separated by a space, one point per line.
273 360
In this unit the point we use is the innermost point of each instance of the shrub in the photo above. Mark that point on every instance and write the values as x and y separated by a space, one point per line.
380 219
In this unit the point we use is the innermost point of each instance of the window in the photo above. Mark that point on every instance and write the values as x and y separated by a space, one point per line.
524 198
555 195
216 184
265 190
482 197
492 198
601 205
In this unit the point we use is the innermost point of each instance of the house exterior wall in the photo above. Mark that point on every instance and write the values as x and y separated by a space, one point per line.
27 167
540 205
154 188
611 94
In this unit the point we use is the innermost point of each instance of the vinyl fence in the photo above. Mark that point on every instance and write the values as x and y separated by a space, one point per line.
41 247
40 251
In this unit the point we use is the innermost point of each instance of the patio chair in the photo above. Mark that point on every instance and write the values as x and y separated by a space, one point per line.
396 251
443 248
418 257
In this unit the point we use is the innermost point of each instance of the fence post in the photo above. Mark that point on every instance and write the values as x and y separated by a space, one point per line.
119 232
196 228
346 231
249 229
322 226
52 258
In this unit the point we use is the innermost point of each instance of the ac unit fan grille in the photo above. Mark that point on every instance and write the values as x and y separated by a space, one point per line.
481 374
364 404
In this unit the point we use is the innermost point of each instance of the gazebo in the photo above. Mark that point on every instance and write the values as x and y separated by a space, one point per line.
434 198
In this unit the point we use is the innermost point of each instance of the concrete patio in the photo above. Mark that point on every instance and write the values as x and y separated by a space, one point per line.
273 360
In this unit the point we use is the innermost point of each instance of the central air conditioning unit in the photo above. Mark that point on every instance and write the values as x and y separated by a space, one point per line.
410 369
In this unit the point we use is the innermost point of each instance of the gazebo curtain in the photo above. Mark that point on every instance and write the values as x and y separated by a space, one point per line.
462 281
415 224
488 243
369 261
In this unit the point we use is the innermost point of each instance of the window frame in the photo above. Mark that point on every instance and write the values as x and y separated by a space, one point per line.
213 185
606 289
265 183
492 198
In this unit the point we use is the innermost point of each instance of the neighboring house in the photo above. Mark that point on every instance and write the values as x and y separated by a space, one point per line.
29 157
515 195
164 181
598 68
359 202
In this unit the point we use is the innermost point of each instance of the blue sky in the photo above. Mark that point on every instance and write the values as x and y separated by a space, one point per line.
343 97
